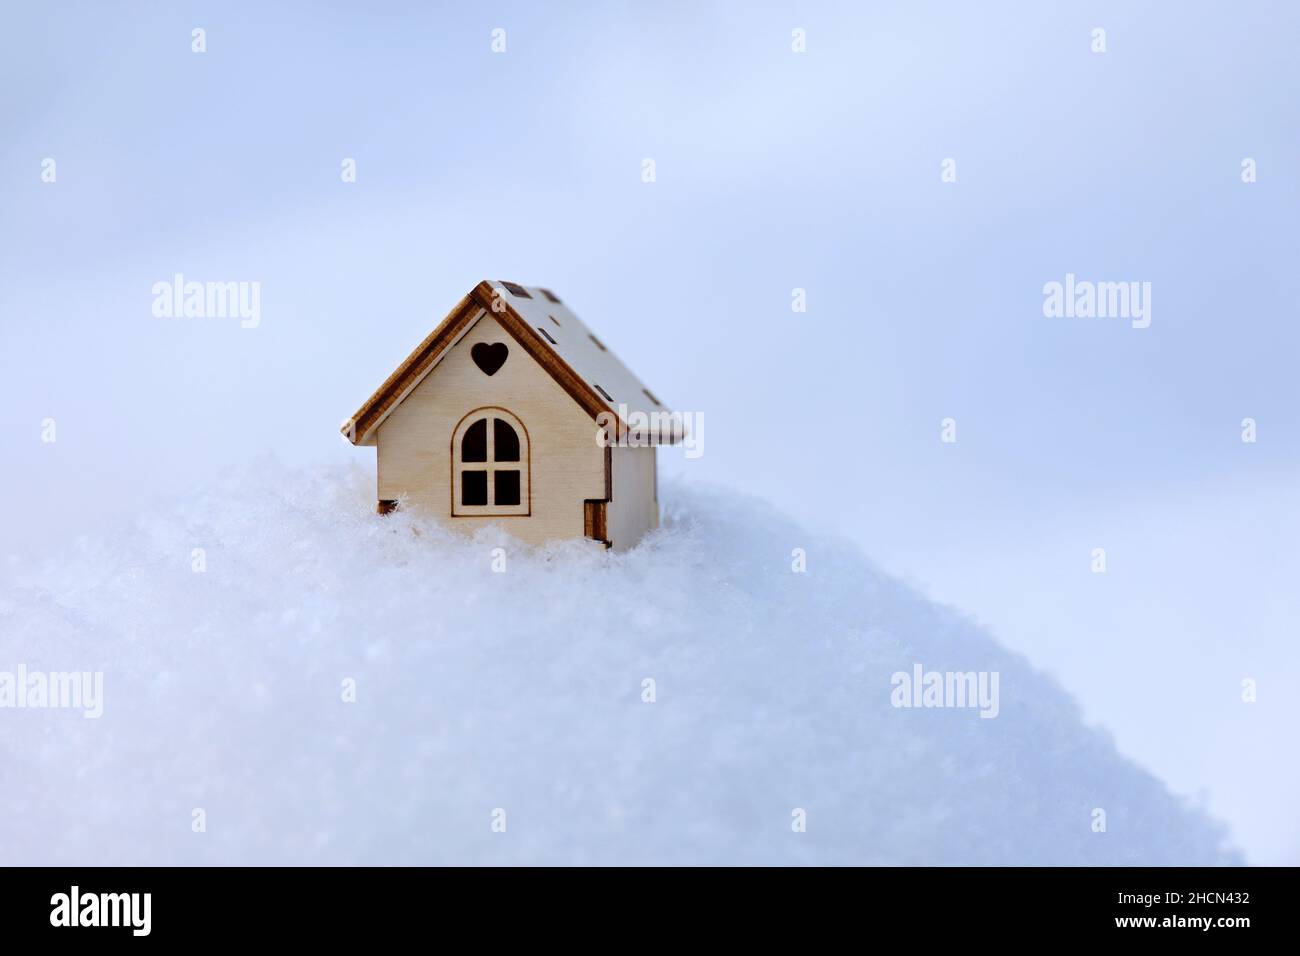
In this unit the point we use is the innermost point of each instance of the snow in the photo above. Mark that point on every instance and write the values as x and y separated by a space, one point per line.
479 691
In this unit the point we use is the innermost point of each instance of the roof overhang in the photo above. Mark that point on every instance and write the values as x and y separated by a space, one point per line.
487 299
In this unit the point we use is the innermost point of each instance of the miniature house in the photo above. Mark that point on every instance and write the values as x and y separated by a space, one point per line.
513 412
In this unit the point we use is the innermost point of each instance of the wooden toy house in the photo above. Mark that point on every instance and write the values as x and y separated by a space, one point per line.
512 411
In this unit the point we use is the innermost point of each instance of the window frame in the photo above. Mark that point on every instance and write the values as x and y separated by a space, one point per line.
524 466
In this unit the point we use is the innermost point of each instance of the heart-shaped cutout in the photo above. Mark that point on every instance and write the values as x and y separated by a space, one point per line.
489 358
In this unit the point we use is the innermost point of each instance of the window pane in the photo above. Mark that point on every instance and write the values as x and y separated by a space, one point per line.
473 487
473 447
507 487
506 441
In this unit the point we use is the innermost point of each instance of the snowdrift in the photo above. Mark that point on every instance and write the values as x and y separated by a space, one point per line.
488 699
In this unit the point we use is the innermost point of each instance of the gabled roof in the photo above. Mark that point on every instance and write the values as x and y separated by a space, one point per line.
556 338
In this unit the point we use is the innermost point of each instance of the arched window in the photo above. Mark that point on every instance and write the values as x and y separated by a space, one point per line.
490 464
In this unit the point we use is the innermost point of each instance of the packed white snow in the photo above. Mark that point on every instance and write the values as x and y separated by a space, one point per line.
505 716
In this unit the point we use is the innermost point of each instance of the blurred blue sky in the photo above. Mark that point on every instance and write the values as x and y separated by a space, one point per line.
775 170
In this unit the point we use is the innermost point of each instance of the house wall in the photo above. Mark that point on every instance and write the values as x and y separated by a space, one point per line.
635 508
567 465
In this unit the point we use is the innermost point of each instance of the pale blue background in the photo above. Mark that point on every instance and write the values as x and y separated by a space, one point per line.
775 171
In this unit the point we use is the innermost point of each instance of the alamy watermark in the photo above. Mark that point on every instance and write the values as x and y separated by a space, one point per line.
72 690
651 428
75 908
1084 299
177 299
922 688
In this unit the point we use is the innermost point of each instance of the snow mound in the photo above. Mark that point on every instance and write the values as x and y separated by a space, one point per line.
479 691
